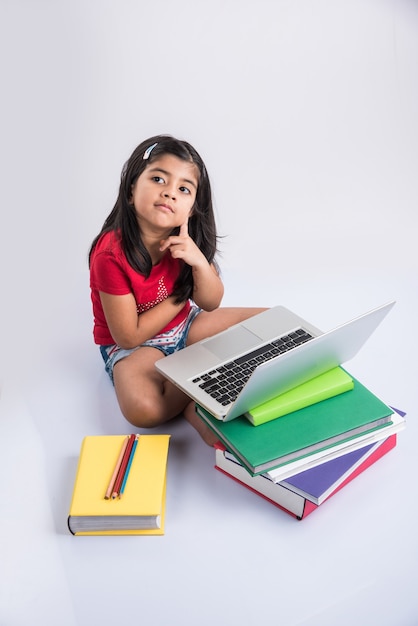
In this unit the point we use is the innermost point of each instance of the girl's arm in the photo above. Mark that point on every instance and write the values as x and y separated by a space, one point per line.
208 287
129 329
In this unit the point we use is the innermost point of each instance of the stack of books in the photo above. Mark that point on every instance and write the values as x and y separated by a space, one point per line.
302 447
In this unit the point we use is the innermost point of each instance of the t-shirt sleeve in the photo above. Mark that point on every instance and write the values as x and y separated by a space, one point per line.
107 274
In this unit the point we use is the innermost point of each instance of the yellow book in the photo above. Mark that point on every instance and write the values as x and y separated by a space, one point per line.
141 509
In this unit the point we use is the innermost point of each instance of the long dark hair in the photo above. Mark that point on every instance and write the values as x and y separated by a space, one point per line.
122 218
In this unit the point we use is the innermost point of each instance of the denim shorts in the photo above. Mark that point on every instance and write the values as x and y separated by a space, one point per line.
168 342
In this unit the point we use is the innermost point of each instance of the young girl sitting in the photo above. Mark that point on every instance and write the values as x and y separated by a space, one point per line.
155 285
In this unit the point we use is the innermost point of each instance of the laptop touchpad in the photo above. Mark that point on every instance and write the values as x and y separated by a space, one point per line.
232 342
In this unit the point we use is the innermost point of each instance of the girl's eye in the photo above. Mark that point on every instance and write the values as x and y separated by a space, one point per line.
157 179
184 190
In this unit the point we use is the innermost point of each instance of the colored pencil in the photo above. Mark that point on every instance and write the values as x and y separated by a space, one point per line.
109 490
122 469
125 478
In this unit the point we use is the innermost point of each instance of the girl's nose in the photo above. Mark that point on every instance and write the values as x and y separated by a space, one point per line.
169 193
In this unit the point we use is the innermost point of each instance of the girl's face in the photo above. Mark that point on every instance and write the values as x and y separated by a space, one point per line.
164 194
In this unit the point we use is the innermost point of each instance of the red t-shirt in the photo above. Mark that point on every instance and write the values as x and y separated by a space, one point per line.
111 273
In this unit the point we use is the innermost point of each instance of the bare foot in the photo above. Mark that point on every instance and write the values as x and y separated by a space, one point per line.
204 431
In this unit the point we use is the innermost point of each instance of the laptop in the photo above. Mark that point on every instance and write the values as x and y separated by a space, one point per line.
268 354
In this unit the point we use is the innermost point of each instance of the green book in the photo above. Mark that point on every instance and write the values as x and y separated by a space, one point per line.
322 387
313 429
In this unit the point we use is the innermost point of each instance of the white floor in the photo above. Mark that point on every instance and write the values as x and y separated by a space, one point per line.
303 112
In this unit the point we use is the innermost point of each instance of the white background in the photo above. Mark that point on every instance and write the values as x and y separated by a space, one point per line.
305 113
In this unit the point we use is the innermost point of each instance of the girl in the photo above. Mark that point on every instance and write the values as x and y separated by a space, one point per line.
155 285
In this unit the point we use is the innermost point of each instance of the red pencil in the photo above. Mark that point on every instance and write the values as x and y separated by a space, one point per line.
123 466
109 490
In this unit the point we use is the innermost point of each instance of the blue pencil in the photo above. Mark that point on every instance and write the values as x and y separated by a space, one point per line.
128 467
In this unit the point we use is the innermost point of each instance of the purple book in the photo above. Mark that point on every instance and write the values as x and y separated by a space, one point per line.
317 483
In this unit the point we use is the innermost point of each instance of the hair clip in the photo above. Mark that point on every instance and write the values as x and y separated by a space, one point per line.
148 151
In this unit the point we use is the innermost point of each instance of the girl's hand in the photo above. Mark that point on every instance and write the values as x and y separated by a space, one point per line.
207 285
183 247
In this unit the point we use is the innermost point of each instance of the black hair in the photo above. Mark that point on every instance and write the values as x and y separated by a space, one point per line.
122 219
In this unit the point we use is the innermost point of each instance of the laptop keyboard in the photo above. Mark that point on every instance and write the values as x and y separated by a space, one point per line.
225 382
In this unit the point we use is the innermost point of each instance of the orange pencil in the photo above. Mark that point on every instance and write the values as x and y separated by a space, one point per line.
109 490
123 466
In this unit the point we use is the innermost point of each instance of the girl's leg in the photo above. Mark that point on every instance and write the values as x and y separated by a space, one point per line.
147 399
204 431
